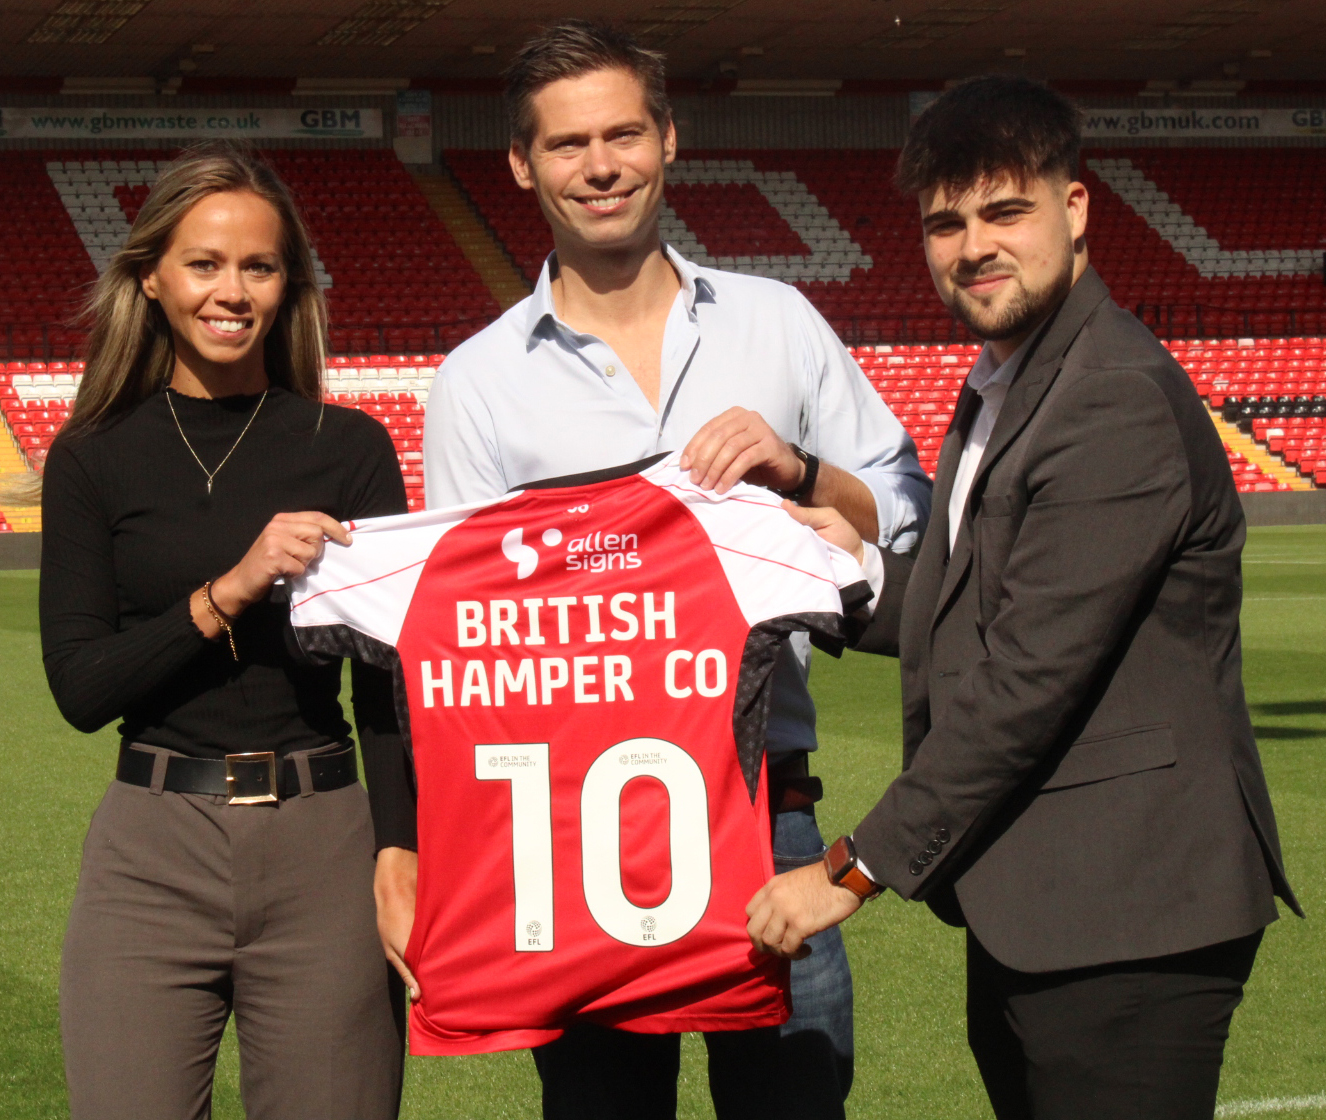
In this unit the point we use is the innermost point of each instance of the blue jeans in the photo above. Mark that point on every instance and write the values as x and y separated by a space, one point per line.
817 1041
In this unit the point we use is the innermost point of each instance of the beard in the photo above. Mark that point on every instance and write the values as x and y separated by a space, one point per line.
1024 309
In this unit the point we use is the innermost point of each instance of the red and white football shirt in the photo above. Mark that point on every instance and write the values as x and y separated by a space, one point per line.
585 672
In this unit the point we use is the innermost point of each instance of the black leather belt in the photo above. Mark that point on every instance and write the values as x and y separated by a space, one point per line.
245 779
791 786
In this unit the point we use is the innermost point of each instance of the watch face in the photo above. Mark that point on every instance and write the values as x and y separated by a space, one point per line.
841 859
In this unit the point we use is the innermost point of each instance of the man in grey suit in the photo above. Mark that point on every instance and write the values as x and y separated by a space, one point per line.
1081 787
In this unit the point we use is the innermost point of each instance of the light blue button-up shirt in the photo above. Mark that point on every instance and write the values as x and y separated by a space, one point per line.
531 398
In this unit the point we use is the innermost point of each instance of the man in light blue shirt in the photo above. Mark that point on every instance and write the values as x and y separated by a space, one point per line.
532 397
624 350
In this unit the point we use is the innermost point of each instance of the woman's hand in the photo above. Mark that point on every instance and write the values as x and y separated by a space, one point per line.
284 549
394 882
832 526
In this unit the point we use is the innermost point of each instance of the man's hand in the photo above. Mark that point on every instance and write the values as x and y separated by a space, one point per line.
739 445
832 526
791 907
394 882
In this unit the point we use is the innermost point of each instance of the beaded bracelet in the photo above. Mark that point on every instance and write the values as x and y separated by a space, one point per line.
222 619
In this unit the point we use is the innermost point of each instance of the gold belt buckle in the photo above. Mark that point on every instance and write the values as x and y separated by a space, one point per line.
251 778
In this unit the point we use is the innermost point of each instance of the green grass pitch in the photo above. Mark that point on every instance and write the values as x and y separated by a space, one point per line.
912 1060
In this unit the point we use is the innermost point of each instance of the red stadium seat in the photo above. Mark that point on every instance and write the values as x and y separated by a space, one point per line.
403 293
894 298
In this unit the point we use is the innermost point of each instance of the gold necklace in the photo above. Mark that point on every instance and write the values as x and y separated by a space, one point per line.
212 474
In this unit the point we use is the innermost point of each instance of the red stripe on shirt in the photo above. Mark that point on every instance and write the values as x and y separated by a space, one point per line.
790 567
362 583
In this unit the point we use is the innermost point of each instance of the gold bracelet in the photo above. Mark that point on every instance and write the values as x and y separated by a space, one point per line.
220 617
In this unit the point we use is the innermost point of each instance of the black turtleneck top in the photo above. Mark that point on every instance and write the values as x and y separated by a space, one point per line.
129 532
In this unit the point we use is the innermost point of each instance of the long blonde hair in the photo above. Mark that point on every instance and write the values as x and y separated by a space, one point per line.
130 349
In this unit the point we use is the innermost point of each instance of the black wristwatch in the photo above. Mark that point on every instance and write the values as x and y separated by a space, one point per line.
807 486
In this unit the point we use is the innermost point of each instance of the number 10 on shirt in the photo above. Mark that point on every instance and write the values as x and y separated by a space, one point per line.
525 766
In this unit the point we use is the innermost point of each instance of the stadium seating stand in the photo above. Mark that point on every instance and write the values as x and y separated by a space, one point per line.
1188 238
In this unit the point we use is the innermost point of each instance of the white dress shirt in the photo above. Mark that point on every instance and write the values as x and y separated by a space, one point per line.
992 383
530 398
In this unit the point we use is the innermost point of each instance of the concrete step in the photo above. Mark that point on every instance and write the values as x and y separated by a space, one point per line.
22 519
1272 466
481 250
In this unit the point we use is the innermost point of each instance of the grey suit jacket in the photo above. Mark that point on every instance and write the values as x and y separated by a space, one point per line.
1081 781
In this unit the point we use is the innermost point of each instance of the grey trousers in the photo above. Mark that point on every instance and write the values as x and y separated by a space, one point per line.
189 909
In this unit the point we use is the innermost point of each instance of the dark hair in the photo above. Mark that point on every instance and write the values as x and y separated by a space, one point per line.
568 50
984 127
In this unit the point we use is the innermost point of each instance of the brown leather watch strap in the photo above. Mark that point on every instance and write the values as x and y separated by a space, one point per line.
841 865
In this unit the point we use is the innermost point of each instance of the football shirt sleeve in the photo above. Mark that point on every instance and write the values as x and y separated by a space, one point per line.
353 600
784 577
777 567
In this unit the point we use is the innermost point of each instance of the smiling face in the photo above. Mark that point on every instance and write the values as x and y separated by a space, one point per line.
220 281
596 161
1004 254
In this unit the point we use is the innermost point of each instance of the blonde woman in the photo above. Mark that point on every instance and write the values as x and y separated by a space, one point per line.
230 866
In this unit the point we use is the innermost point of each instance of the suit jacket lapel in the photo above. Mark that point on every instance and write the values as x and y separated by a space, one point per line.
1030 383
1041 364
929 570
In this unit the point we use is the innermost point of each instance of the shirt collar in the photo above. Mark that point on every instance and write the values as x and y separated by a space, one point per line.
542 319
985 373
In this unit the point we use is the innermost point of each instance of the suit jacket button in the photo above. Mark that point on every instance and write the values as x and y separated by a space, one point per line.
916 867
934 847
943 836
925 859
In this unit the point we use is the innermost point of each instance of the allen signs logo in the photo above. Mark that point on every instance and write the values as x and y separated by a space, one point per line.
593 552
